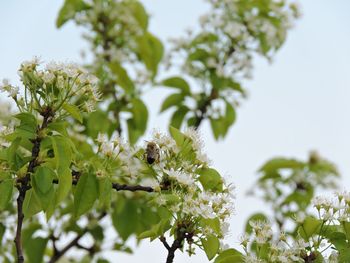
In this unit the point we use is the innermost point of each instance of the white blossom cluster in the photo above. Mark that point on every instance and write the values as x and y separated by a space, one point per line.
176 179
280 251
117 149
54 84
333 210
234 30
11 90
181 176
113 29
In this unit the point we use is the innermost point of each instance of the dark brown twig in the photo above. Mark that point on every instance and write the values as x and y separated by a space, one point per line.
176 245
74 243
23 183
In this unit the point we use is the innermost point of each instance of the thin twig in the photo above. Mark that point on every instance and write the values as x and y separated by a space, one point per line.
74 243
165 243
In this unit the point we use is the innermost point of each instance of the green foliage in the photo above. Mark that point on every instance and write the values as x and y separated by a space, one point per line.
211 246
69 10
289 185
6 189
210 179
86 193
42 185
67 157
229 256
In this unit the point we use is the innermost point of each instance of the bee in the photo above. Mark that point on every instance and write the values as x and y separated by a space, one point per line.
152 153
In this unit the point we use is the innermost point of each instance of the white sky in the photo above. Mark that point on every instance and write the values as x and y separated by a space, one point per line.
298 103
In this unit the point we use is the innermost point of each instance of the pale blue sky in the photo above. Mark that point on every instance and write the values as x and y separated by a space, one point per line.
298 103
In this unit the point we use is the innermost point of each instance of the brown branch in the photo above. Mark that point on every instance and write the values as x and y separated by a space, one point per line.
74 243
23 183
121 187
165 243
132 188
171 250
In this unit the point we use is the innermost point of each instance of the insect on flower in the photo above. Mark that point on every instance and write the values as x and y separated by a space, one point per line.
152 153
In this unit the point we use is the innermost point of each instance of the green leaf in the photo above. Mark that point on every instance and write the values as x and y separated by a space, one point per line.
156 230
31 204
137 125
280 163
177 136
105 191
12 156
28 125
172 100
213 223
86 193
6 189
101 118
338 239
64 183
68 11
140 114
133 133
139 13
125 218
211 246
218 127
150 50
346 226
230 256
309 227
199 55
59 126
210 179
2 232
123 78
73 111
42 179
43 186
62 150
35 249
204 38
230 116
179 83
178 116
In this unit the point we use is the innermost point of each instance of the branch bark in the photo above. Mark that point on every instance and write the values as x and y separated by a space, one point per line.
74 243
23 183
172 249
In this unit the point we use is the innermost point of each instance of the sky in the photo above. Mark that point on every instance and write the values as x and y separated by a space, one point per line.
296 104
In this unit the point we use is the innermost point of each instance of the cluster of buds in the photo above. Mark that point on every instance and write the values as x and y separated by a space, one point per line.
279 250
54 85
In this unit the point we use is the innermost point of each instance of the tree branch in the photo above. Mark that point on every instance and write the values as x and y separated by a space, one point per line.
74 243
165 243
171 251
121 187
23 183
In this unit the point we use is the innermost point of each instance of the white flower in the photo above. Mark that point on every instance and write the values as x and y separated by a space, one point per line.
150 182
30 64
48 77
225 228
180 176
234 29
102 138
89 106
54 66
7 87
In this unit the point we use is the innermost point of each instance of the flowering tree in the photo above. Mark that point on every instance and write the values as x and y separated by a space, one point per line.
65 159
